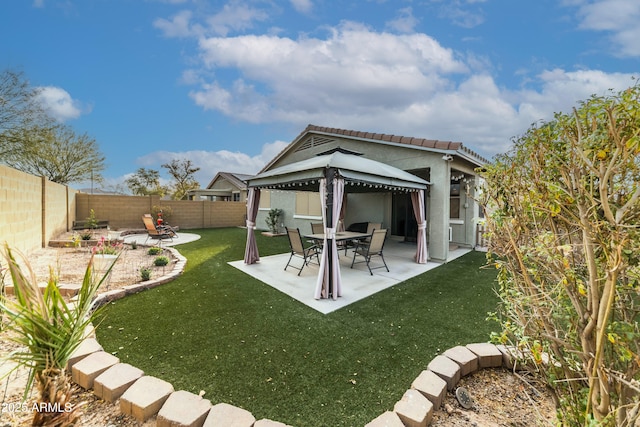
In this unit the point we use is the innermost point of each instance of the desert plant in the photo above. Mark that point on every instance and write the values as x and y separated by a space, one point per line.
273 219
92 222
145 273
563 214
50 331
134 244
86 234
154 250
161 261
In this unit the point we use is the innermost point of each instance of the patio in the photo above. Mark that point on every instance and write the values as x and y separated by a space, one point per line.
357 283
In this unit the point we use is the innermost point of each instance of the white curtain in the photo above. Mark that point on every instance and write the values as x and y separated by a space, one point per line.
417 200
322 284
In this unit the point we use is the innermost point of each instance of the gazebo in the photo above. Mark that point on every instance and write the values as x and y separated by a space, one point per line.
332 174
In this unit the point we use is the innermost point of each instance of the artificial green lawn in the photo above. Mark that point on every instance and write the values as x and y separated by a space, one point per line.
244 343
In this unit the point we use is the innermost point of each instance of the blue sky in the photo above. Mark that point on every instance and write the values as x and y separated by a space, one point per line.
228 84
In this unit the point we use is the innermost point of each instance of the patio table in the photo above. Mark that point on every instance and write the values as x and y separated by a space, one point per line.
340 236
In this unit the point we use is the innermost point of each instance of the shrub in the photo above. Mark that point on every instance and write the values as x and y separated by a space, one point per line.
161 261
145 273
154 250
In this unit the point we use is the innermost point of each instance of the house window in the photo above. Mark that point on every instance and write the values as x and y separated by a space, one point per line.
265 199
308 204
454 200
236 197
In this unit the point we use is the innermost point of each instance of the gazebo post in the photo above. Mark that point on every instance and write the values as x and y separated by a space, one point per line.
330 175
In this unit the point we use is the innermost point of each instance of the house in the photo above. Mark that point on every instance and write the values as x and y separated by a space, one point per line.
449 167
225 186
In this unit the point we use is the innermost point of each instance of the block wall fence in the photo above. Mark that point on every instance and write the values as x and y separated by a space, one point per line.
34 211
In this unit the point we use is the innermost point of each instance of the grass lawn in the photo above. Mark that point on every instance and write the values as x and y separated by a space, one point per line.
244 343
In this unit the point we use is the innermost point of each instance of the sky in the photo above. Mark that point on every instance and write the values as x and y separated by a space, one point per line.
228 84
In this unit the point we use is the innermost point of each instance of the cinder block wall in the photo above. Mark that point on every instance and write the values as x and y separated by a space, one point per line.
32 209
126 211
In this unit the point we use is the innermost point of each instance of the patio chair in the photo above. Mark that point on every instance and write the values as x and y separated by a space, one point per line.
298 249
155 233
369 249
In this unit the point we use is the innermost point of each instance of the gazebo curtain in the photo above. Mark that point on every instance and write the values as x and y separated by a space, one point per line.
251 255
417 200
322 284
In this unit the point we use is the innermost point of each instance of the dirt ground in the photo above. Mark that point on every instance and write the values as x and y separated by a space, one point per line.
500 397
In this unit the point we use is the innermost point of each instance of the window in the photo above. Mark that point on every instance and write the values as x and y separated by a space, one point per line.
308 204
265 199
236 197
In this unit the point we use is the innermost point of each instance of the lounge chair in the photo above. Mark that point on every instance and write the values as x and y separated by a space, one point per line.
155 233
298 249
371 248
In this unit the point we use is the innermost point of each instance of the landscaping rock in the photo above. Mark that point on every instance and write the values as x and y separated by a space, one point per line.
227 415
183 409
113 382
464 357
145 398
488 355
446 369
414 409
388 419
85 371
431 386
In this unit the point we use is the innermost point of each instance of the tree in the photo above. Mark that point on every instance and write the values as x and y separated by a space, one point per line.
182 173
146 182
563 219
57 153
19 108
31 141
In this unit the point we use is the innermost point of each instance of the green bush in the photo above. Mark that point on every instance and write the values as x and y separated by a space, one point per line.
145 273
161 261
154 250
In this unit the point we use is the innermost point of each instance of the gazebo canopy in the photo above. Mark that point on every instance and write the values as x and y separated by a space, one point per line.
363 174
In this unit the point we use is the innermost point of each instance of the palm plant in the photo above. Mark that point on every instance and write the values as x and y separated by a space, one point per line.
48 331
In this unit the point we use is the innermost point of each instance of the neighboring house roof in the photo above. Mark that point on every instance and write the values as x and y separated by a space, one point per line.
239 180
445 147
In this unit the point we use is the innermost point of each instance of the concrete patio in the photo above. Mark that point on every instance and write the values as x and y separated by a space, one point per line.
357 283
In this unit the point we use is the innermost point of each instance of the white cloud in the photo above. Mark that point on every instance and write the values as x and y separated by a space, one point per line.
178 26
302 6
405 21
59 103
619 18
212 162
237 16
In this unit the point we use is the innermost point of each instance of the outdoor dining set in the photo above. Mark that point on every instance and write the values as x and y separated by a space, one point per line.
365 244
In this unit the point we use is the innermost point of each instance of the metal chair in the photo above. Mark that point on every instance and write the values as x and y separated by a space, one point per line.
298 250
371 248
153 232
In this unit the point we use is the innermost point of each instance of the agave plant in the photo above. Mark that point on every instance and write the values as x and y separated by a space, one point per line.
48 331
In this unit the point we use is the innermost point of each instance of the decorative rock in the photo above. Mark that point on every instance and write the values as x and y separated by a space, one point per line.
85 371
388 419
69 290
116 380
414 409
446 369
86 347
145 398
229 416
464 357
431 386
183 409
488 354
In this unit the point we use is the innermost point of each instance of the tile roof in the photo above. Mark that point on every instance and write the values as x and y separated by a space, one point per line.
453 147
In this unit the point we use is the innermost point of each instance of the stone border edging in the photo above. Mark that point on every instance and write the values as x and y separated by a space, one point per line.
144 396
